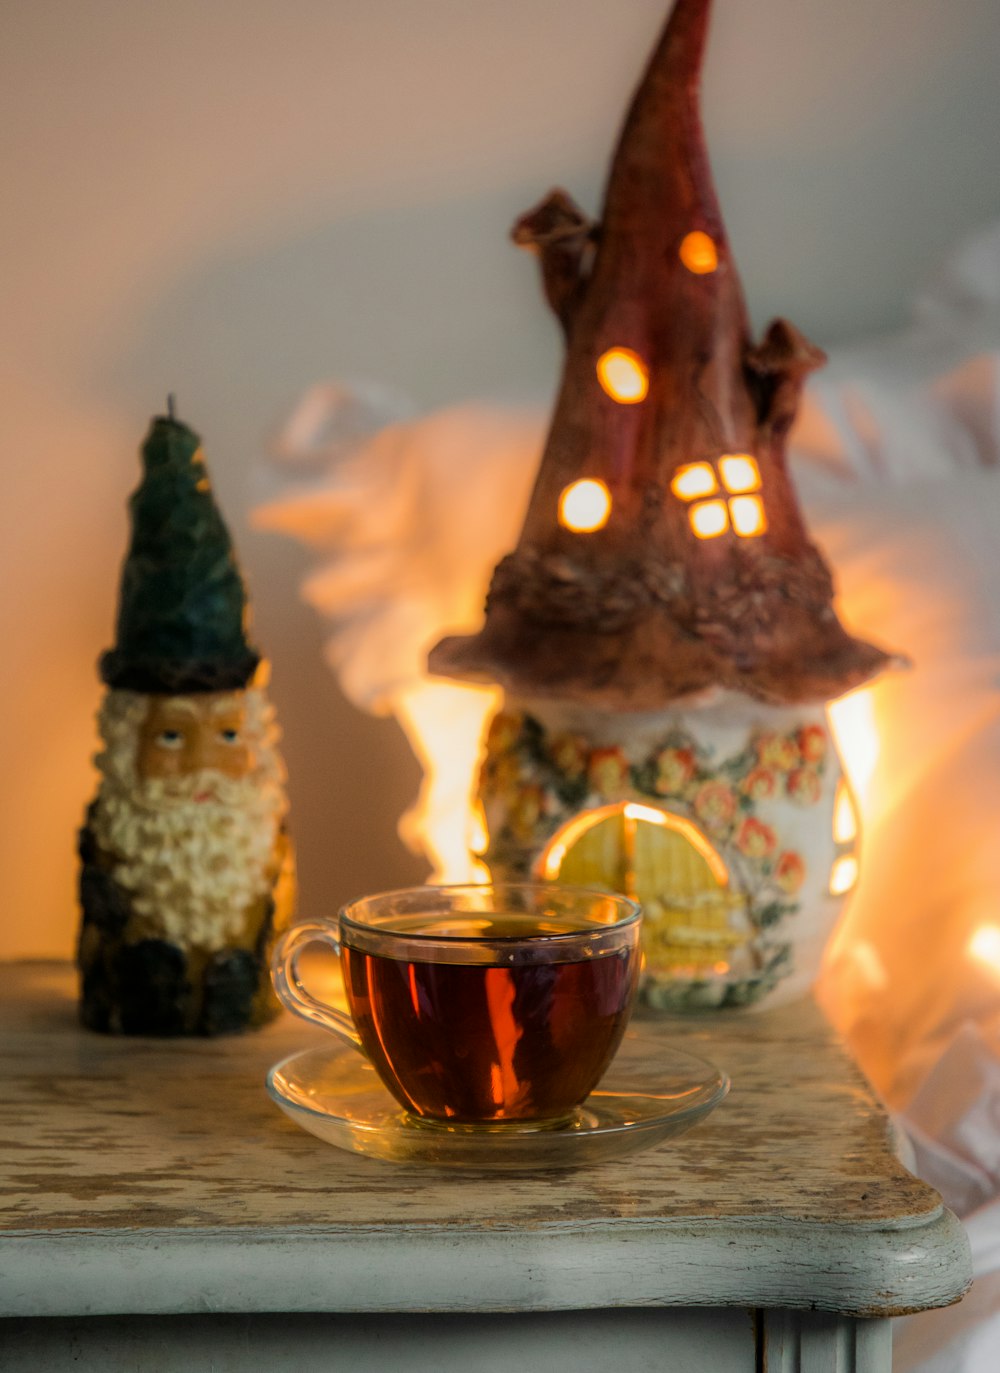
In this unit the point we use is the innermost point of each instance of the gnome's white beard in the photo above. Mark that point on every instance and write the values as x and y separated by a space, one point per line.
192 867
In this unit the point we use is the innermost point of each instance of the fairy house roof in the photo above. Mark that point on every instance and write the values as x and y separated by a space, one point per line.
663 552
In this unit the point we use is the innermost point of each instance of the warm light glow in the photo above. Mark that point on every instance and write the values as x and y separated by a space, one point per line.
845 816
687 828
709 519
479 834
984 947
693 480
552 856
445 723
739 473
863 958
852 720
585 506
747 513
698 253
623 375
844 875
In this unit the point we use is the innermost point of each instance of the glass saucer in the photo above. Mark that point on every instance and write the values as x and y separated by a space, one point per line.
650 1093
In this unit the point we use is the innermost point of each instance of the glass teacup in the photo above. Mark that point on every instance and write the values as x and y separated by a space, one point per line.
478 1005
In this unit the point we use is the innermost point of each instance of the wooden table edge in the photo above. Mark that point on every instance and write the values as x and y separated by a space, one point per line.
853 1270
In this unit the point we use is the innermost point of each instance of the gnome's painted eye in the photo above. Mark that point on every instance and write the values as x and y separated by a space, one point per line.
170 738
585 506
699 253
623 375
229 736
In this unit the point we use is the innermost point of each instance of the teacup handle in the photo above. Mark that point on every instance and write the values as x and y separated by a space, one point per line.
290 989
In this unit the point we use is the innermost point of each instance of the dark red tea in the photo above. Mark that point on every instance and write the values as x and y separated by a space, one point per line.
499 1041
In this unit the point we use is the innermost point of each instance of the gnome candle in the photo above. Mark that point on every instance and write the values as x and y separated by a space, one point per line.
187 872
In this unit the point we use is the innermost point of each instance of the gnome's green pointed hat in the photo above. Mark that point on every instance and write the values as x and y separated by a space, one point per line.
182 615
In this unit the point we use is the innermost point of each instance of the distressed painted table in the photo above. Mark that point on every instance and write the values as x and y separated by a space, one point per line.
159 1211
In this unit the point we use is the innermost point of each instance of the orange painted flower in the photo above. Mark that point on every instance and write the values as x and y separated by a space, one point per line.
569 754
674 769
804 786
760 783
756 839
607 772
790 871
812 743
715 804
777 751
505 730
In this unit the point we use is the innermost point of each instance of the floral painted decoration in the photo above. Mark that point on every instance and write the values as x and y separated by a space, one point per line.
532 783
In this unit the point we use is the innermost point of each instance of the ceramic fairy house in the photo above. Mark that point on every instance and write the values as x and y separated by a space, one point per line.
187 872
664 630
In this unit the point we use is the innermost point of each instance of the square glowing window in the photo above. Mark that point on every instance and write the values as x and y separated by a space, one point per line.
694 480
709 519
739 473
748 516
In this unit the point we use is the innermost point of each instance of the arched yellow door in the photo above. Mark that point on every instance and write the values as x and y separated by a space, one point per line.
695 923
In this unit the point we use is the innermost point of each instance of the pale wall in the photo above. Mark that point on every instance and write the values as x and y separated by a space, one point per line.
234 198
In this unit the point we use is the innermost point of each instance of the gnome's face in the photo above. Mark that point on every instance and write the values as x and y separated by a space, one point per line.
189 807
184 735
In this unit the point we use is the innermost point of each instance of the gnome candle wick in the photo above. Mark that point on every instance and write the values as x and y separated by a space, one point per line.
171 415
